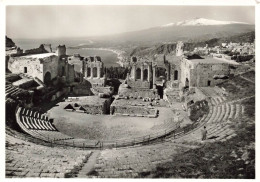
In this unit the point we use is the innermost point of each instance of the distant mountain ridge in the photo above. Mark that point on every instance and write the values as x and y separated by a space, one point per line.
179 33
169 48
202 22
195 30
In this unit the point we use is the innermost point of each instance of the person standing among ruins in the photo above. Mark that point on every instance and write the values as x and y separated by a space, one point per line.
204 133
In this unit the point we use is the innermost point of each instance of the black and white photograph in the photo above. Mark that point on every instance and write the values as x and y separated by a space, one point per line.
129 91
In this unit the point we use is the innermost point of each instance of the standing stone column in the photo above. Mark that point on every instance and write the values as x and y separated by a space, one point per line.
148 73
83 67
142 72
134 74
91 72
154 69
98 72
168 72
82 71
86 71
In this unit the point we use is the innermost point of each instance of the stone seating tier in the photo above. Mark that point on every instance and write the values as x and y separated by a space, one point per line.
41 161
37 127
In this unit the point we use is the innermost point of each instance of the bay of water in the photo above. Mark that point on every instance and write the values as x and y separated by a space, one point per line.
109 58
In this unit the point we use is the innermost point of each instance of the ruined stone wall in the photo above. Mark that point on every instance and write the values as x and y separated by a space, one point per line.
39 50
174 68
139 93
105 90
70 73
93 62
204 74
51 64
34 66
132 111
82 90
139 84
185 72
94 108
179 48
141 74
61 50
96 82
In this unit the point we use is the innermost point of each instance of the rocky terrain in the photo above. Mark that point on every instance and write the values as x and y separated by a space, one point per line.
9 42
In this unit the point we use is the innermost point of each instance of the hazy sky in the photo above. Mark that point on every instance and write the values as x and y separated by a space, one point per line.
80 21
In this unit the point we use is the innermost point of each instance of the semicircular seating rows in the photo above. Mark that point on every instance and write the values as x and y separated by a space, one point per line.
27 159
125 162
129 162
38 125
11 90
218 120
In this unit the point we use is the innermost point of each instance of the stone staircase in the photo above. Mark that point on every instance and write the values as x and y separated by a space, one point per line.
89 165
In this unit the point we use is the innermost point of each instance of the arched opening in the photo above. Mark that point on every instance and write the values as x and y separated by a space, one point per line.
138 73
176 75
47 78
161 73
145 75
95 72
187 83
134 59
160 91
88 72
25 69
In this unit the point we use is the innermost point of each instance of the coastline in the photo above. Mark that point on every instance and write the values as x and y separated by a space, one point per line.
119 54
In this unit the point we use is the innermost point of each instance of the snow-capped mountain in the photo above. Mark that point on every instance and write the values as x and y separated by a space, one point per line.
201 22
199 29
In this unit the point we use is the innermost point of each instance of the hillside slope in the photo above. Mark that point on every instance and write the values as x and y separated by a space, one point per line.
184 33
9 42
168 48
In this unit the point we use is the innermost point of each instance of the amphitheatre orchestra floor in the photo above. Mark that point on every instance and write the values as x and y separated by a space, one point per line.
109 127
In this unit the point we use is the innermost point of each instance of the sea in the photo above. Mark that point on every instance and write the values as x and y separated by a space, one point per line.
109 58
